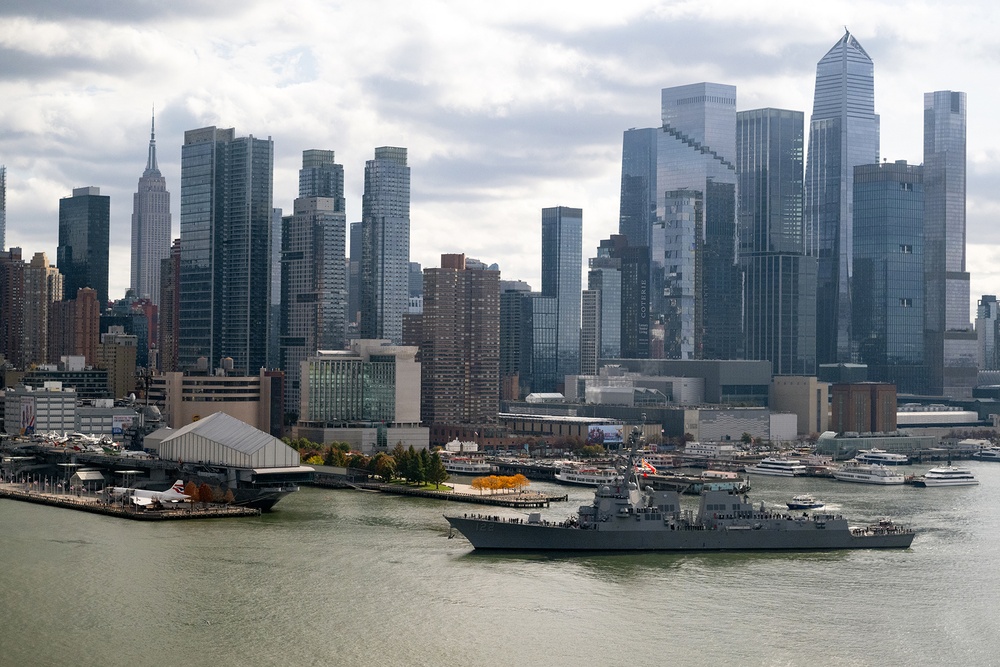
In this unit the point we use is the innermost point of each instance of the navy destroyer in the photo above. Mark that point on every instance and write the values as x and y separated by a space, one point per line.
624 516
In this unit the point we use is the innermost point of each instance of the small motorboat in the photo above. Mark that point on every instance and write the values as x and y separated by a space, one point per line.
804 502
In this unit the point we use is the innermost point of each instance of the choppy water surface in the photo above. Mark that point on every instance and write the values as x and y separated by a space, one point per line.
351 578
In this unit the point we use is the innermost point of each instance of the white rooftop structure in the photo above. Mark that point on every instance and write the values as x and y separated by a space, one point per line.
222 440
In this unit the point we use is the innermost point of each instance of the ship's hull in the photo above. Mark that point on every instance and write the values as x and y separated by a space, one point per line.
783 535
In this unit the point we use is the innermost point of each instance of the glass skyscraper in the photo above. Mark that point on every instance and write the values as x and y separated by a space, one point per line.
637 210
843 133
562 275
225 274
888 312
150 226
84 240
676 254
779 280
385 245
696 152
3 206
950 340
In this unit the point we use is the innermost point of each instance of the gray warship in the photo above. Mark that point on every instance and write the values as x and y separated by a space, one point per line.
624 516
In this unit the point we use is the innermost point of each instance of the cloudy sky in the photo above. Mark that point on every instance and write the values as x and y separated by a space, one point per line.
505 108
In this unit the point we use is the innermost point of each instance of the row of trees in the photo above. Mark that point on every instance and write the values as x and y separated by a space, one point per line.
505 483
415 467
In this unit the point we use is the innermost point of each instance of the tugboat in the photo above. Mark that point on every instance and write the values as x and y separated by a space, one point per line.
626 517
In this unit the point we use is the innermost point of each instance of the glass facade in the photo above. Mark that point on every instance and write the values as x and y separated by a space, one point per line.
321 176
84 240
987 332
779 281
3 206
539 336
677 248
562 276
352 390
887 316
385 245
225 275
951 343
843 133
150 227
696 152
638 189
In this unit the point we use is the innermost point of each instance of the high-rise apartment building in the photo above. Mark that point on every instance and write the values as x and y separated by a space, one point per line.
460 349
950 341
843 133
562 280
43 285
696 152
225 275
385 245
74 327
150 227
84 240
274 291
637 207
511 294
321 176
354 277
590 331
170 306
888 304
12 308
988 332
313 274
779 280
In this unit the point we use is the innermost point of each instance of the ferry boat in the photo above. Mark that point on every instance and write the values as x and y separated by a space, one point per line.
465 466
946 476
988 454
780 467
881 457
586 476
804 502
868 473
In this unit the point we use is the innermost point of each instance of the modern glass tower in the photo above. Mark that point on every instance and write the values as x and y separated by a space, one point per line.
779 280
313 277
385 245
951 342
638 190
3 206
696 152
84 240
225 275
150 226
889 262
988 332
677 256
843 133
562 275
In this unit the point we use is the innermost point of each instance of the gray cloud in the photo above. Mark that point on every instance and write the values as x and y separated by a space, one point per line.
116 11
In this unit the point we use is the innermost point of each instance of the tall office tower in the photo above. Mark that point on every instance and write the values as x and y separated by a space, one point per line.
696 152
74 327
385 245
321 176
416 283
539 363
43 284
637 207
605 277
888 314
843 133
590 331
354 277
988 332
150 227
170 308
512 292
225 272
313 285
779 280
3 206
632 302
678 298
460 350
274 291
13 308
84 239
562 278
950 340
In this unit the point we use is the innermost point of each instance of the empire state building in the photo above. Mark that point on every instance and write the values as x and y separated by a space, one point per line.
150 227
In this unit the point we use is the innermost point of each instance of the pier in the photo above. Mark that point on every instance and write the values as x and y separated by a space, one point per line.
98 506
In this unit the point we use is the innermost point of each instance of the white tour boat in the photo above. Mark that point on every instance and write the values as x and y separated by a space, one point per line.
868 473
881 457
988 454
464 466
946 476
780 467
587 476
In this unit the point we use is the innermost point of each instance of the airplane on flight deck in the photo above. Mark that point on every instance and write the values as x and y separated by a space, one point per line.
145 498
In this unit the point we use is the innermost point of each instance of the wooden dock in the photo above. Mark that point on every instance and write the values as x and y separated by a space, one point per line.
97 506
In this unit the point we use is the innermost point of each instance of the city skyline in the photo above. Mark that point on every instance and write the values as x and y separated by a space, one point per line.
495 153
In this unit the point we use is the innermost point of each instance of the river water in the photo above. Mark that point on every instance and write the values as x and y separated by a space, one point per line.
355 578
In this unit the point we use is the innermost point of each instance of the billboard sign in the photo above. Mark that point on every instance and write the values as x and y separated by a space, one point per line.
605 434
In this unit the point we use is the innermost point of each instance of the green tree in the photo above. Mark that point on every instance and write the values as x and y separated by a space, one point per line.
436 473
